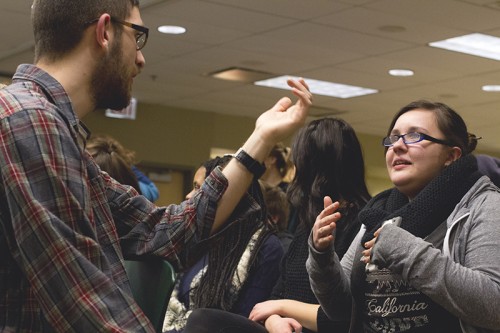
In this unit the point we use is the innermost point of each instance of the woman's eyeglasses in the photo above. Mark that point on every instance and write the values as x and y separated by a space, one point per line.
412 137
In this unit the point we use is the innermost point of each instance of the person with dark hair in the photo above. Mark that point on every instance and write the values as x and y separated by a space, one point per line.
240 268
490 166
329 161
426 258
66 226
114 159
277 166
278 209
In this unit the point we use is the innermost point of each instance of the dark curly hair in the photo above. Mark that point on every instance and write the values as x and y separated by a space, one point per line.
226 250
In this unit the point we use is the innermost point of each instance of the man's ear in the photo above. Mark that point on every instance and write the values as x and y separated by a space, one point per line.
103 31
454 154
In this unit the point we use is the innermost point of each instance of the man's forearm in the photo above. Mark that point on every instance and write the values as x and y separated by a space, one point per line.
239 178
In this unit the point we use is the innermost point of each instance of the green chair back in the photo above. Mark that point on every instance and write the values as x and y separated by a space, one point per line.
152 281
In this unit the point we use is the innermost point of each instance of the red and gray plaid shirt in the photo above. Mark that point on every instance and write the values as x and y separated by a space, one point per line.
65 226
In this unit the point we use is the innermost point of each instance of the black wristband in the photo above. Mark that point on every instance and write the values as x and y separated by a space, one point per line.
255 167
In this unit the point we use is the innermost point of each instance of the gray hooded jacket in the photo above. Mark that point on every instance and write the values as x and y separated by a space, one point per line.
463 276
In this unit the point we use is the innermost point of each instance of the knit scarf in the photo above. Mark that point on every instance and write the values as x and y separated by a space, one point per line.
429 208
177 312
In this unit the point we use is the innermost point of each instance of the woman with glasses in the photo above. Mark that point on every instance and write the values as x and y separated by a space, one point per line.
427 256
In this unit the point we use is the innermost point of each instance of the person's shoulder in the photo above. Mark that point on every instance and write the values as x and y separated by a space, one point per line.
482 198
271 240
272 245
483 188
23 97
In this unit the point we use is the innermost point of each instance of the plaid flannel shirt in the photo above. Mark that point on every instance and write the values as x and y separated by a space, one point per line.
65 226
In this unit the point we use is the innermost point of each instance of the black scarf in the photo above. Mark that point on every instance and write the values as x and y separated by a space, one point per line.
429 208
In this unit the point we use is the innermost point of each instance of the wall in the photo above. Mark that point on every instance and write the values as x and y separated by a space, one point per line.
173 137
181 139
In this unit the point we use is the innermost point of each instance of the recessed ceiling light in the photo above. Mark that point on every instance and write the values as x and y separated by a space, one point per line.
491 87
318 87
171 29
401 72
477 44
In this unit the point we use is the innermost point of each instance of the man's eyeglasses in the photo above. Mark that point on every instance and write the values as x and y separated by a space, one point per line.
140 39
412 137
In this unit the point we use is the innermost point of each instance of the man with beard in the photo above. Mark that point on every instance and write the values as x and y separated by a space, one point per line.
65 226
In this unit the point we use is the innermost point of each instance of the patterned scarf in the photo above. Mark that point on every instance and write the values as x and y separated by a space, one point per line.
429 208
177 313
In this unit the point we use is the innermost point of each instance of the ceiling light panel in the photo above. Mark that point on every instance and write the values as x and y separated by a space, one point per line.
319 87
477 44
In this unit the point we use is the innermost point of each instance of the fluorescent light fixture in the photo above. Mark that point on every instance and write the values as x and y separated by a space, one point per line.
491 87
477 44
401 72
171 29
319 87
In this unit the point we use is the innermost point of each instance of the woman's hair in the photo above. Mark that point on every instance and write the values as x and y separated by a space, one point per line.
58 25
281 153
449 122
224 253
328 162
113 158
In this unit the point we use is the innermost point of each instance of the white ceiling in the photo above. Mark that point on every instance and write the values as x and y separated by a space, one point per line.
353 42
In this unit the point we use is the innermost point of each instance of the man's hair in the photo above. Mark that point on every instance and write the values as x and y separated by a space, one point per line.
58 25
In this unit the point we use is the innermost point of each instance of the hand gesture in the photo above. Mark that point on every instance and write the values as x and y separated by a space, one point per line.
367 252
277 324
325 225
284 118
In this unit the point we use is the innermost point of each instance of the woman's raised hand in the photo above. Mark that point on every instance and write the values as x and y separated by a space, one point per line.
325 224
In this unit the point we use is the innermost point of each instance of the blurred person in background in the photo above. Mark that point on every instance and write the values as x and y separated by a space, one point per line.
241 264
328 159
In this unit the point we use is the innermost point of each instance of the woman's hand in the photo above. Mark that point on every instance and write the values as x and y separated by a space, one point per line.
367 252
277 324
325 225
261 311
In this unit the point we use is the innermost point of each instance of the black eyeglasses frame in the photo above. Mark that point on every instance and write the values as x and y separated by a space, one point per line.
387 142
144 31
